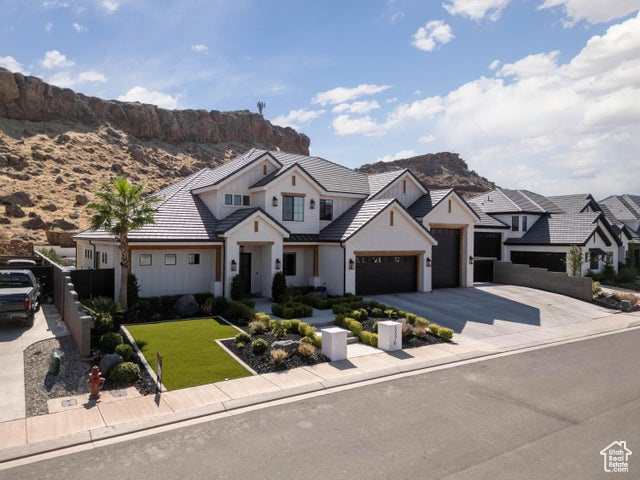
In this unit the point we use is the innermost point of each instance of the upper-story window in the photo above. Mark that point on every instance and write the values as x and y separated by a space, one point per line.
524 224
515 223
326 209
292 208
236 200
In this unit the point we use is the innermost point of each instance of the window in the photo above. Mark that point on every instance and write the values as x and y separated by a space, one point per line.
594 261
515 223
236 200
169 258
104 257
524 224
292 208
289 264
194 259
326 209
391 218
609 258
145 260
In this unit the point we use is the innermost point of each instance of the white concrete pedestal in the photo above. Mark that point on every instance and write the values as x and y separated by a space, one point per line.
334 343
389 335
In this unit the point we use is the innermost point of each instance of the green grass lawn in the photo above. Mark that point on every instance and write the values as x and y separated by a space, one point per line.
190 355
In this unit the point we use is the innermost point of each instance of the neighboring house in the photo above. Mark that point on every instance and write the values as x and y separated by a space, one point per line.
524 227
319 223
623 211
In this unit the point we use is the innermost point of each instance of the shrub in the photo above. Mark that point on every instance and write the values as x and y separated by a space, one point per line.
278 329
389 312
133 290
306 330
421 322
278 356
353 325
259 346
278 287
238 311
291 310
419 331
237 287
248 302
411 318
51 254
434 327
369 338
259 324
124 373
376 312
220 306
317 302
596 289
306 350
355 314
316 340
627 274
103 323
242 337
445 333
125 351
109 341
101 305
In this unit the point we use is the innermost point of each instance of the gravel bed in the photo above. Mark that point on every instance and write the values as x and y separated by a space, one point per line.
71 380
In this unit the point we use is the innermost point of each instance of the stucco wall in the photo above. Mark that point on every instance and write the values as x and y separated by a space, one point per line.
331 268
514 274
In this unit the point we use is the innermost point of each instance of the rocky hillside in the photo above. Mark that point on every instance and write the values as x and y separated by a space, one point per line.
57 146
437 171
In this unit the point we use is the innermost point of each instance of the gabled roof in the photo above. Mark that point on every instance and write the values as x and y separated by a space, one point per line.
562 229
379 181
426 202
503 200
180 216
330 176
576 203
239 216
282 171
623 207
486 220
213 176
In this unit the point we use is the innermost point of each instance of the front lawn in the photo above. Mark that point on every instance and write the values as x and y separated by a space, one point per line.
190 355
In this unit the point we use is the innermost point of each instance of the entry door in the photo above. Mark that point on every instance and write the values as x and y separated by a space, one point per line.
245 271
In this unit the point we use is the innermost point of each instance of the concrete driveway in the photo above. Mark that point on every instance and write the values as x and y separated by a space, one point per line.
14 339
508 315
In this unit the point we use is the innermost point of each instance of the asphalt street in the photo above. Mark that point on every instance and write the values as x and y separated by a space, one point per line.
546 413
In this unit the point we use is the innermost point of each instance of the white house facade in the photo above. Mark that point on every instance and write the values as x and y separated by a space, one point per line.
319 223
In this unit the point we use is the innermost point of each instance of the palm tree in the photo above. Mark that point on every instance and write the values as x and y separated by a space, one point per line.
122 208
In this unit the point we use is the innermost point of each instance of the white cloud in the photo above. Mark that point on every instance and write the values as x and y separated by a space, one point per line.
142 95
434 33
592 11
295 118
391 100
344 125
109 5
495 64
78 28
356 107
345 94
48 26
402 154
530 66
55 59
199 48
476 9
426 139
396 17
416 111
67 80
12 64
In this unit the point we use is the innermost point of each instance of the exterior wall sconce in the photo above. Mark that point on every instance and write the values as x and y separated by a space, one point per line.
278 264
234 265
352 264
470 260
428 262
274 201
241 248
312 204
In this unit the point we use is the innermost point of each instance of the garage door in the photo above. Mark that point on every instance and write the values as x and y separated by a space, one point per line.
445 265
552 261
385 274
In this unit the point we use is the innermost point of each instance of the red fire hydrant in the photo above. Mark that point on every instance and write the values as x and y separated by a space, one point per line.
95 382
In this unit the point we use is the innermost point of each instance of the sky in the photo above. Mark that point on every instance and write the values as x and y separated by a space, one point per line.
541 95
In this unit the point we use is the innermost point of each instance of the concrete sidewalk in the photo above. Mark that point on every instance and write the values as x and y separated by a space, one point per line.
87 422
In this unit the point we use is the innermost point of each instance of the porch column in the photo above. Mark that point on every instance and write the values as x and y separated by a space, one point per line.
315 260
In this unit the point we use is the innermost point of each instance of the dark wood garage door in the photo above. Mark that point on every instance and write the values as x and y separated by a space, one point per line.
385 274
445 265
552 261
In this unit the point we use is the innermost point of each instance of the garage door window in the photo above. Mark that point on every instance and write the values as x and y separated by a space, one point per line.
289 267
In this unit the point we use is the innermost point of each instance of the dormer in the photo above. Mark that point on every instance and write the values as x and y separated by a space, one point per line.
401 185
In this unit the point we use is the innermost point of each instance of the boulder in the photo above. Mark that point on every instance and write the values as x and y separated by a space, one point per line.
109 361
18 198
50 207
81 199
14 211
62 224
289 346
35 224
186 306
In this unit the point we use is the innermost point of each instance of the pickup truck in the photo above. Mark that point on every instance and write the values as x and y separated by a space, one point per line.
19 296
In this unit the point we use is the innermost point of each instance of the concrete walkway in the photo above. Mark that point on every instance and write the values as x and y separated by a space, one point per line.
14 339
84 422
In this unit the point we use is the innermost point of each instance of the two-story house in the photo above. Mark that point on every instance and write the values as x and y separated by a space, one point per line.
623 212
318 222
524 227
